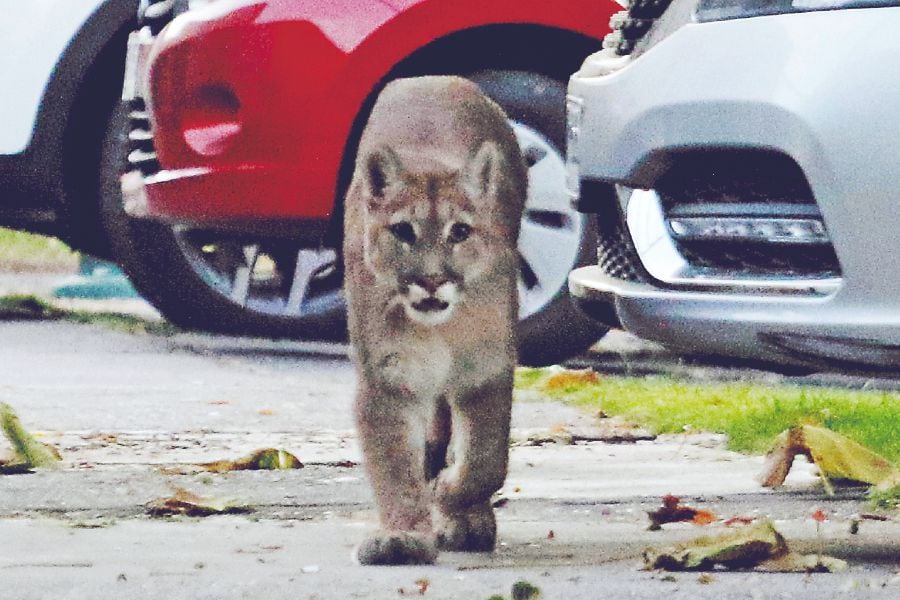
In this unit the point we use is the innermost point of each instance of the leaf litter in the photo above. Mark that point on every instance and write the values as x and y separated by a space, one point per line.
672 511
28 452
266 459
836 456
757 546
186 503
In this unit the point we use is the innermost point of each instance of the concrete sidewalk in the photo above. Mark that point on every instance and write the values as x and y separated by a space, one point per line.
130 413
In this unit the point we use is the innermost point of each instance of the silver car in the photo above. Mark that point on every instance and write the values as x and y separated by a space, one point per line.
741 158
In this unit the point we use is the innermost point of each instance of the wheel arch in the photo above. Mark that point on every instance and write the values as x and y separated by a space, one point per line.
72 119
491 47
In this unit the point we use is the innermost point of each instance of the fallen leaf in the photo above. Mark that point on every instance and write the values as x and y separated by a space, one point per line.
423 585
267 459
873 517
551 535
569 378
739 521
793 562
706 579
266 412
672 511
835 455
27 452
754 546
218 402
819 516
742 548
187 503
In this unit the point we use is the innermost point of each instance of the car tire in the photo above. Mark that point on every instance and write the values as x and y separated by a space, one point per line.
155 260
559 330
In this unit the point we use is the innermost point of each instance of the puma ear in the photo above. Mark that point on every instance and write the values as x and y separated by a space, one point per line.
482 175
382 167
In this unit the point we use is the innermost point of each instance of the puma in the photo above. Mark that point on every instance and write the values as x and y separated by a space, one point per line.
432 217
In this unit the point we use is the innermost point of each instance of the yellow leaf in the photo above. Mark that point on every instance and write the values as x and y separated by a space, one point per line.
835 455
261 460
28 452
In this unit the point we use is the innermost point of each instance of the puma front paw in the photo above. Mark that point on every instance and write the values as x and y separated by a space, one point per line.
397 548
472 530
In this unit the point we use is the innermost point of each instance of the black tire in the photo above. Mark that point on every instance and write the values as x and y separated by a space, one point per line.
154 259
560 330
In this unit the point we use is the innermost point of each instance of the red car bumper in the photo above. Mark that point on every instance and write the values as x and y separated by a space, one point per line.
254 102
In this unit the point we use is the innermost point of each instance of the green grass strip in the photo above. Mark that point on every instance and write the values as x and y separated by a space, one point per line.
26 306
750 414
26 252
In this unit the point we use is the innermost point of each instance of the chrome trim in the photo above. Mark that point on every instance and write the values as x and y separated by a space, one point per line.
173 174
136 58
661 258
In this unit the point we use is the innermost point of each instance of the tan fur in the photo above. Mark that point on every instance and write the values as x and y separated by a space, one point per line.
432 318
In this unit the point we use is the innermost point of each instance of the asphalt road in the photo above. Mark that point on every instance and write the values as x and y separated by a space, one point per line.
131 414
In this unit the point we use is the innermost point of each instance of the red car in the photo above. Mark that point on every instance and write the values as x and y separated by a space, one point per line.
256 109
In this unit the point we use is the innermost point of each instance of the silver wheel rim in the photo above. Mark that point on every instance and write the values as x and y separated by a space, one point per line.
550 239
283 284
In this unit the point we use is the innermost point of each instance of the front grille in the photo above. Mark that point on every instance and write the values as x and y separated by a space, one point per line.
141 154
616 256
615 252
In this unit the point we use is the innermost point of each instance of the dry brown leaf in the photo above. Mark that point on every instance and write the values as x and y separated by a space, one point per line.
793 562
742 548
183 502
835 455
568 378
739 521
266 412
423 584
266 459
757 546
672 511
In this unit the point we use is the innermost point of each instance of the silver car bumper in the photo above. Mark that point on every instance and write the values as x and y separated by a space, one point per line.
790 84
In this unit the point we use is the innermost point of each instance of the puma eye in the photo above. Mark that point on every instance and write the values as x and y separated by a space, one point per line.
459 232
404 232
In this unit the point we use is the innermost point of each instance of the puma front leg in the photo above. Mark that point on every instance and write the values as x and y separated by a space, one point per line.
392 426
480 420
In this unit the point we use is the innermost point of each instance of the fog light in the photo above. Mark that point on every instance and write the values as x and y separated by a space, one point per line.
773 231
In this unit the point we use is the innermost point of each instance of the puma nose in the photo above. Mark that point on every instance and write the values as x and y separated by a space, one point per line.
430 284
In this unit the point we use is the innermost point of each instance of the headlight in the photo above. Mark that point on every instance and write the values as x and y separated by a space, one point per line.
720 10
